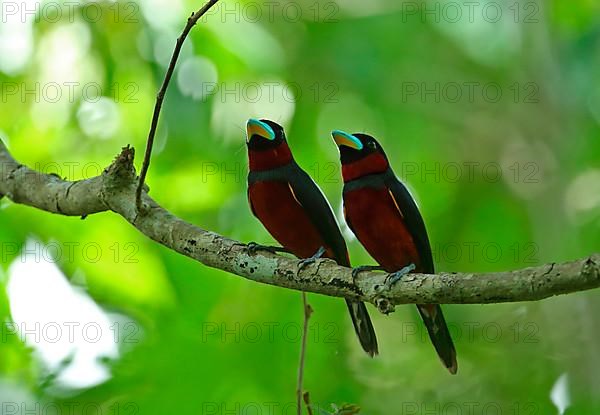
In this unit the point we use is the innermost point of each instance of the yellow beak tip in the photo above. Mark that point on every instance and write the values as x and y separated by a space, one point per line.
342 138
259 128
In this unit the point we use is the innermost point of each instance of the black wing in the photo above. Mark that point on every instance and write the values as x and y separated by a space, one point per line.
430 313
319 211
412 219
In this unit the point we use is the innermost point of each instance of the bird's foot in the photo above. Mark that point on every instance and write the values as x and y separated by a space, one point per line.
312 259
394 277
364 268
253 248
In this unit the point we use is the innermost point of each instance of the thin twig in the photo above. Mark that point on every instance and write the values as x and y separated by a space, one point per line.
307 309
192 20
307 403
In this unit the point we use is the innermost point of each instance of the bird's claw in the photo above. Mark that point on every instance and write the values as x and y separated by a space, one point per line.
363 268
305 262
394 277
355 272
253 248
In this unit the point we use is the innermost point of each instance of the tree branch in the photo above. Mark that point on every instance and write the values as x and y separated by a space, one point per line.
192 20
115 190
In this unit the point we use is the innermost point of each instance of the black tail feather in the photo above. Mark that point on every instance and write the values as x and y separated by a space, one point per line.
440 336
363 327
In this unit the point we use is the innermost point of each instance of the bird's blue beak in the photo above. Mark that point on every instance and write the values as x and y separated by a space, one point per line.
259 128
344 139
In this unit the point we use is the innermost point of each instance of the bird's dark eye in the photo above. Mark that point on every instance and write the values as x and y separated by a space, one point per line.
371 145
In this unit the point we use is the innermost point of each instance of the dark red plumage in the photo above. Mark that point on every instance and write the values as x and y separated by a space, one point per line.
294 211
274 204
270 158
372 163
373 213
385 219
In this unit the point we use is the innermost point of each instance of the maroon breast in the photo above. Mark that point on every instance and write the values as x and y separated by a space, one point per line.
275 205
378 224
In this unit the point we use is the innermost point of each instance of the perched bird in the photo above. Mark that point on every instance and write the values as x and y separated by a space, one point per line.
385 219
293 209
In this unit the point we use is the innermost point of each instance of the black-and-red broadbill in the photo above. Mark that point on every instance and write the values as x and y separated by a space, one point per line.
294 211
384 217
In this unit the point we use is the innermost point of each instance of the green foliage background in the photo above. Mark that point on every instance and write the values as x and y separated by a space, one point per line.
503 183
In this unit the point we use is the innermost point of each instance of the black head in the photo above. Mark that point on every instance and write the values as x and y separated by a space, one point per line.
354 147
263 134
